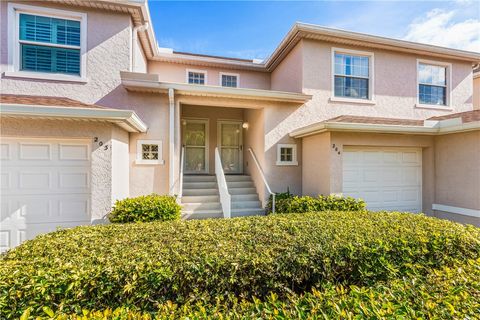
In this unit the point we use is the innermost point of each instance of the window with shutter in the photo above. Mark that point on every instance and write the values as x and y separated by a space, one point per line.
48 44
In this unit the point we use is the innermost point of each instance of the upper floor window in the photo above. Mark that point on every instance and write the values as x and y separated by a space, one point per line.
229 80
352 74
196 76
47 43
432 83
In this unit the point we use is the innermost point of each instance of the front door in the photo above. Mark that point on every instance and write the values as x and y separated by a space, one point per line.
195 141
230 146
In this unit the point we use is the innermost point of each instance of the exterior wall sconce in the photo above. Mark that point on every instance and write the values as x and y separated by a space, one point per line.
245 125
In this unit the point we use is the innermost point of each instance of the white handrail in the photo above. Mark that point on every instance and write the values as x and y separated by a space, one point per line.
225 197
182 164
263 178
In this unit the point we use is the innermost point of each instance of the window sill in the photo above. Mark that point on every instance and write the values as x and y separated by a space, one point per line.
432 106
150 162
44 76
279 163
353 100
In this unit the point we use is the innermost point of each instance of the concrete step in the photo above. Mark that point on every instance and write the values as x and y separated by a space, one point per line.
192 206
242 191
201 199
247 212
199 178
200 185
200 192
238 178
244 197
246 204
240 184
202 214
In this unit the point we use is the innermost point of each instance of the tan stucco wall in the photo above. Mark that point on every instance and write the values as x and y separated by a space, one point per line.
476 92
174 72
288 75
457 170
323 163
253 139
102 193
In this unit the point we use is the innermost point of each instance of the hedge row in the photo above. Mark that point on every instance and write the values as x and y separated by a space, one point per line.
446 293
145 265
288 203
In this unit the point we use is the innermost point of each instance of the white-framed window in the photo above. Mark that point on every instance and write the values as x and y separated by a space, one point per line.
286 154
149 152
196 76
230 80
46 43
352 75
433 83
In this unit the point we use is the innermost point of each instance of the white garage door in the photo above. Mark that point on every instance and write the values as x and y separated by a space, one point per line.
45 184
386 178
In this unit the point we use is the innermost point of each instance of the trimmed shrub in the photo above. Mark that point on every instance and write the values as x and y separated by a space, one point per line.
288 203
144 266
145 209
445 293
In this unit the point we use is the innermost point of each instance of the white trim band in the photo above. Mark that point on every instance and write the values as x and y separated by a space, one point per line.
456 210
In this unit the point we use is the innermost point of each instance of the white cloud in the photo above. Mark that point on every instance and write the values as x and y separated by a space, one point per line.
438 27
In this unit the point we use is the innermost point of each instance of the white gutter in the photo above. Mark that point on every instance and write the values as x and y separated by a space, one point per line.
149 82
171 141
430 128
127 119
135 32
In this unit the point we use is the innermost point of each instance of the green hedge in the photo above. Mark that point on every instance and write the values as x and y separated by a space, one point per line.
288 203
145 209
445 293
143 266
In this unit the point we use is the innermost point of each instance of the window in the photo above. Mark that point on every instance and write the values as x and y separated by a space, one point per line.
352 74
48 43
196 77
149 152
432 83
287 154
229 80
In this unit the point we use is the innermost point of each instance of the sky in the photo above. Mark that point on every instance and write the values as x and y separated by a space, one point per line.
253 29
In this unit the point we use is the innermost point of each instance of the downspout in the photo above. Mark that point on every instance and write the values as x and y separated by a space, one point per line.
171 140
136 30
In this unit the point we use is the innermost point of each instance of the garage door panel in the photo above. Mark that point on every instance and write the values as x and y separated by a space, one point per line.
386 178
45 185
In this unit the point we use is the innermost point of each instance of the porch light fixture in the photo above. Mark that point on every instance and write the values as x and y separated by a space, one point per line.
245 125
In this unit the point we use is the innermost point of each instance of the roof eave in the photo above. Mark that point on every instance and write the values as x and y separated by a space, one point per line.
431 128
126 119
150 83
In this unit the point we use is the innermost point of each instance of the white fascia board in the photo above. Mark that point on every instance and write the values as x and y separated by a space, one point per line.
130 120
205 90
430 129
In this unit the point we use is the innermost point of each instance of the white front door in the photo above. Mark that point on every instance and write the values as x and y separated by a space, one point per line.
230 146
45 184
386 178
195 141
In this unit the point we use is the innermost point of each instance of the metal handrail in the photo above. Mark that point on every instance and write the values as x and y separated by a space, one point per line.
182 164
263 178
225 197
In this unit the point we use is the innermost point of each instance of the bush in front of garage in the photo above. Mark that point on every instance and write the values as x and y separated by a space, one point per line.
145 209
144 266
288 203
